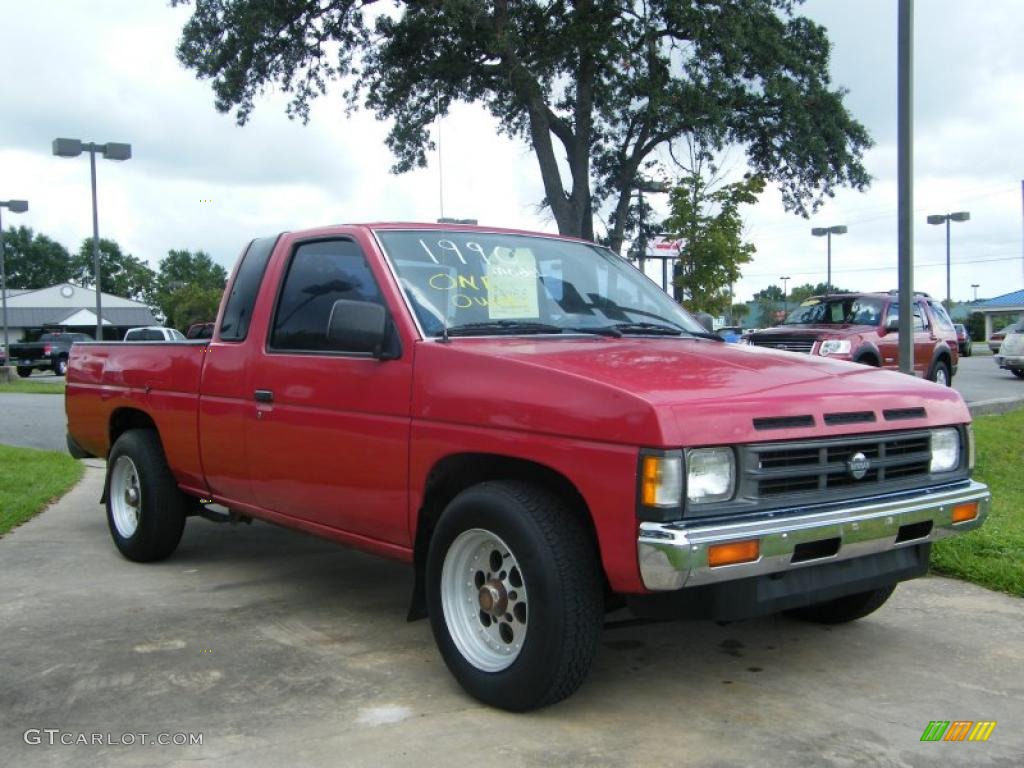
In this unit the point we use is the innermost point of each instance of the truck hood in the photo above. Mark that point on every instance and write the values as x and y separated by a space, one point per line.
666 392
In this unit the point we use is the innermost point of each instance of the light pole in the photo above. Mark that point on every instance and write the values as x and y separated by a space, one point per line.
838 229
15 206
945 218
111 151
785 293
975 286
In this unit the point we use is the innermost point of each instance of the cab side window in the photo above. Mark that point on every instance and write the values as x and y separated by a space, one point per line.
894 313
320 274
941 317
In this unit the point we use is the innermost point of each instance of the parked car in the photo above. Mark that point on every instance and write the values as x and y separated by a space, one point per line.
730 333
996 339
154 333
539 431
963 339
199 331
864 328
1011 353
49 352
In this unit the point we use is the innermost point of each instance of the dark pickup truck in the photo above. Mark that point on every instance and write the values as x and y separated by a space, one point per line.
49 352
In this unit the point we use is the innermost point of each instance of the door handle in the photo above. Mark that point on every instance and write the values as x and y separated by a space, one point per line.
263 396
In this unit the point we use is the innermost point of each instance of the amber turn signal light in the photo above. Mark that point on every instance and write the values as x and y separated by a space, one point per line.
734 552
964 512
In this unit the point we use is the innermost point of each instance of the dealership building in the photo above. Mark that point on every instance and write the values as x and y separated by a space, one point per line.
69 307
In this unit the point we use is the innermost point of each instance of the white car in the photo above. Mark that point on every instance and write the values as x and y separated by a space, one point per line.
1011 351
154 333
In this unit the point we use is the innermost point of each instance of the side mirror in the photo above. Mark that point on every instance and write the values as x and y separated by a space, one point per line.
892 324
359 326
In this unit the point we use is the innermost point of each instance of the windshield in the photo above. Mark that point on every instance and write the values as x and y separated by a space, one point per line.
838 310
482 283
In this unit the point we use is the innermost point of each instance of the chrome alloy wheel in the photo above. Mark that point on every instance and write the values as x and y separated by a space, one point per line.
941 377
483 596
125 496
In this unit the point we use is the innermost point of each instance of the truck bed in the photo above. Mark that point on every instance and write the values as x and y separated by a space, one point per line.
157 378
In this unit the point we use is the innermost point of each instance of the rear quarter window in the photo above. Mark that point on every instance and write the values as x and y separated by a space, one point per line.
234 326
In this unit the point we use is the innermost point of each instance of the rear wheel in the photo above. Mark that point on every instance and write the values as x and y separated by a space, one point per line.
60 367
24 371
145 509
515 596
940 373
844 609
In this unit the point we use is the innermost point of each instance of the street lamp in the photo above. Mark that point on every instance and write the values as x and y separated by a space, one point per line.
111 151
945 218
15 206
839 229
785 293
975 286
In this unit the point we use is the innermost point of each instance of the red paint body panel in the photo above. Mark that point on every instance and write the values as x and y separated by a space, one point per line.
346 446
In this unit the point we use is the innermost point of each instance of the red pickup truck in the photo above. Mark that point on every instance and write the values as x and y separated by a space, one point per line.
538 430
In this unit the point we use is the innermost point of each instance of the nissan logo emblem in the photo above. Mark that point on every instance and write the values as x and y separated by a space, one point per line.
859 464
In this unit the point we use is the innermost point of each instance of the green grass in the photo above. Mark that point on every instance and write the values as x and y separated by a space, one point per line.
33 386
993 555
30 480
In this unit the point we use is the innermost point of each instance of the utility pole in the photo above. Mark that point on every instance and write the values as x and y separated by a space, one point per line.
905 173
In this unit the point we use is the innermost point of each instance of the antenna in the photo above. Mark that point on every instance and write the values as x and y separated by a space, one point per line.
440 161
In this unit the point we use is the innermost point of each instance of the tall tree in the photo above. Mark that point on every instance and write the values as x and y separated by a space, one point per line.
769 302
121 274
32 260
805 291
188 287
706 218
597 87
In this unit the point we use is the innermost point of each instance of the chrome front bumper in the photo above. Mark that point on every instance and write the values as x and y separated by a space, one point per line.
675 555
1009 361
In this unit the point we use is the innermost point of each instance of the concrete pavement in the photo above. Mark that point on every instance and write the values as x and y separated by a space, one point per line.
281 649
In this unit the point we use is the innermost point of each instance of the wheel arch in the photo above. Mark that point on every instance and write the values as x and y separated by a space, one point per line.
942 354
454 473
868 354
122 420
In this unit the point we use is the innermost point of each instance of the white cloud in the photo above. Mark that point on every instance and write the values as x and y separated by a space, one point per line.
109 73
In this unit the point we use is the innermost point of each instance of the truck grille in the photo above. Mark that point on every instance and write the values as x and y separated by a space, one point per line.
820 466
788 343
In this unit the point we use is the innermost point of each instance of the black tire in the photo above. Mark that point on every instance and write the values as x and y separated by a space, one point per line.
159 506
967 350
24 372
1018 372
941 368
60 366
560 575
844 609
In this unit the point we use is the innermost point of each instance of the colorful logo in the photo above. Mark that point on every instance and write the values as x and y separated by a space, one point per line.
958 730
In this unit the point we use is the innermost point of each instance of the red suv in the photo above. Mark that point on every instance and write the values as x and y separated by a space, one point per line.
863 328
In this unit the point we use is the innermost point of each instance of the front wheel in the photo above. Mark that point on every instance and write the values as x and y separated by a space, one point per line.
940 374
145 509
514 593
844 609
1018 372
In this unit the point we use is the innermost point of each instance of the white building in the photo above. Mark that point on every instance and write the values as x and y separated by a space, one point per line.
69 307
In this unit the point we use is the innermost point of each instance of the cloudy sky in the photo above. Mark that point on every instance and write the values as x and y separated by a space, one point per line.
106 71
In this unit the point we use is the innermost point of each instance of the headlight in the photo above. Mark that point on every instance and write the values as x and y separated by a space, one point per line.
945 450
834 347
710 475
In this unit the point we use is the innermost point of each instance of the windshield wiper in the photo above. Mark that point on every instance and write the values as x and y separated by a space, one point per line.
501 327
652 329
